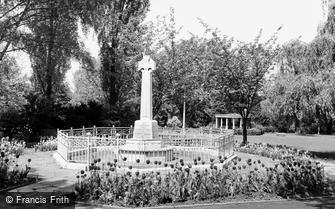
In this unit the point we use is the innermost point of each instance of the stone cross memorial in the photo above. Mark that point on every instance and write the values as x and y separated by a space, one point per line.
146 128
146 144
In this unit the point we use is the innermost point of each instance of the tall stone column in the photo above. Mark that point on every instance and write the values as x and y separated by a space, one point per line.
146 92
146 128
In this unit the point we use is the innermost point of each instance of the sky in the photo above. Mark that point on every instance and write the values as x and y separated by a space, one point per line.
241 19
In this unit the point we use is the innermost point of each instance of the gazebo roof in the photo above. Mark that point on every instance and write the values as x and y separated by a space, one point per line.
229 115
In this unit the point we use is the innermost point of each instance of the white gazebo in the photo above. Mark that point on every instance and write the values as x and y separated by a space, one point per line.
229 121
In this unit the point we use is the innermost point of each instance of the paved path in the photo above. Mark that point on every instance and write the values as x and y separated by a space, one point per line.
318 203
52 176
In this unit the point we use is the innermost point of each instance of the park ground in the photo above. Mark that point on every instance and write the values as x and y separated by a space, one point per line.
54 178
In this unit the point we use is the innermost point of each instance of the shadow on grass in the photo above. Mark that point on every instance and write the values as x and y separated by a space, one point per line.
324 155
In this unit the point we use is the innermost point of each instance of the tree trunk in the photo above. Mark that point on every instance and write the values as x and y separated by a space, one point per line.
329 126
50 63
296 125
244 126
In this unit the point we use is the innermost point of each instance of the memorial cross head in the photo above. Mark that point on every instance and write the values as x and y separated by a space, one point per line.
147 64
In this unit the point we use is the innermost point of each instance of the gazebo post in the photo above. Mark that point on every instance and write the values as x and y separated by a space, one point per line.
226 123
233 123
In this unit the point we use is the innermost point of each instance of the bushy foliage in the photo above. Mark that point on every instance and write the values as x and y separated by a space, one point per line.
174 122
46 144
251 131
218 181
302 91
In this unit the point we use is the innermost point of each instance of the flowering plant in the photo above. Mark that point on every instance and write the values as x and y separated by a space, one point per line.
12 147
271 151
46 144
290 177
11 173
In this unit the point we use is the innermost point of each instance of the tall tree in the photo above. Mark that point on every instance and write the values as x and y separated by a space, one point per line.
240 75
13 16
52 43
12 86
119 29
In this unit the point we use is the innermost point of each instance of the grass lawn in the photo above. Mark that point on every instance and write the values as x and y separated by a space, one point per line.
316 143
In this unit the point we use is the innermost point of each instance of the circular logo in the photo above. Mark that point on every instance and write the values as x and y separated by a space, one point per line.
9 199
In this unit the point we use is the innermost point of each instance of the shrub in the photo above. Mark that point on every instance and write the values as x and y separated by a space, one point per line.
265 129
174 122
251 131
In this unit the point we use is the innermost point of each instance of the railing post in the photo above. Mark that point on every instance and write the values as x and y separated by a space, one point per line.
113 131
88 148
58 136
71 132
94 131
84 131
131 131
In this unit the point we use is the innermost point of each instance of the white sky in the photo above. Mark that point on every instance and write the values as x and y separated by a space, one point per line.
240 19
243 19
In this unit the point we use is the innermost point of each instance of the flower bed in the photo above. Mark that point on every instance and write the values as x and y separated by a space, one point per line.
12 147
46 144
288 178
271 151
11 173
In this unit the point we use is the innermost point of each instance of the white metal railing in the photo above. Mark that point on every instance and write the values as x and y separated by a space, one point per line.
87 144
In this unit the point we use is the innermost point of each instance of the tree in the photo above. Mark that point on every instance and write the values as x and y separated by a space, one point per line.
52 43
300 87
239 74
119 30
180 76
321 64
13 89
12 86
13 16
87 88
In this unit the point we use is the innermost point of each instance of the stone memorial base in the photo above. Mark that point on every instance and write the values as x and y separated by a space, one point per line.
145 150
145 130
145 144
